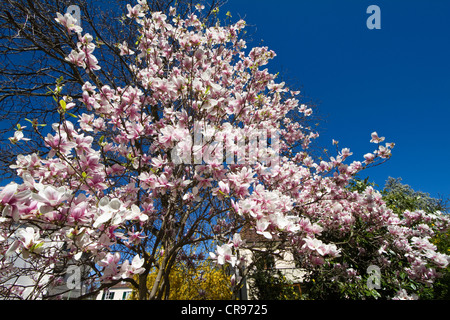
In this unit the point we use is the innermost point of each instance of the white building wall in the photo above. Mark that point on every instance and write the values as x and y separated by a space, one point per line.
114 294
286 265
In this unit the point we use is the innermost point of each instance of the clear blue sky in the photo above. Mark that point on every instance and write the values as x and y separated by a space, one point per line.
395 80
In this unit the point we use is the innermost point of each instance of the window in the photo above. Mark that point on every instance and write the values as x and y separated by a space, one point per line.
125 295
107 295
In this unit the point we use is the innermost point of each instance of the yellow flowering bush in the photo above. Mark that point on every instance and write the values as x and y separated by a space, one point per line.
205 281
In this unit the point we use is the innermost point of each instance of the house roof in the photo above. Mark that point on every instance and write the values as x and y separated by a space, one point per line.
249 235
121 285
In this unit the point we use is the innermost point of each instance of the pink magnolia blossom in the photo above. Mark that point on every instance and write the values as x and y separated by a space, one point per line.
315 245
18 136
369 158
28 241
124 49
69 22
77 58
375 138
109 209
261 228
134 12
224 255
128 270
49 195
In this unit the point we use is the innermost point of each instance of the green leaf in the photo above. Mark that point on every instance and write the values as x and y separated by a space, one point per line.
63 105
34 123
36 246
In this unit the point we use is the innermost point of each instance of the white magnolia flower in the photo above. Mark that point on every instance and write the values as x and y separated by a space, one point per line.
136 214
224 254
18 135
135 267
49 196
28 239
109 210
261 226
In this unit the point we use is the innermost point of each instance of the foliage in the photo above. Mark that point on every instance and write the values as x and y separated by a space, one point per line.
205 281
441 288
268 283
400 197
324 283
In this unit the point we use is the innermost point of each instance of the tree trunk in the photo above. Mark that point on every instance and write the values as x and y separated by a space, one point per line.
143 286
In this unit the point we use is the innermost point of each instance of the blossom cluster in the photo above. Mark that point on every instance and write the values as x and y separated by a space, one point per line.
111 189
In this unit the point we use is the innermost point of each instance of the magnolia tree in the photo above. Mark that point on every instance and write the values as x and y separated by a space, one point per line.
205 142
